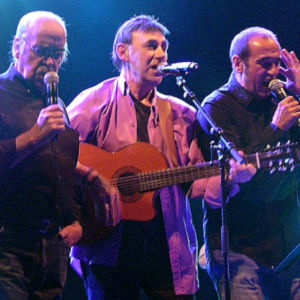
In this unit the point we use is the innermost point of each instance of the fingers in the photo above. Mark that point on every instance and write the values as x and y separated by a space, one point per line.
51 115
286 114
290 105
71 234
240 173
289 58
50 121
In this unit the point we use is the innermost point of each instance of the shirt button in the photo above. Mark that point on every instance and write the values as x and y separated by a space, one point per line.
132 125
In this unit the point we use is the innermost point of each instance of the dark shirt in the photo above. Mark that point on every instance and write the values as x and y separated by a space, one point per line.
263 217
142 116
40 186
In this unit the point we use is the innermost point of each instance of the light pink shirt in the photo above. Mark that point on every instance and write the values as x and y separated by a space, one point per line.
105 115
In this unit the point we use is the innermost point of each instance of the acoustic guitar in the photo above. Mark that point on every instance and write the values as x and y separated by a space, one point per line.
139 170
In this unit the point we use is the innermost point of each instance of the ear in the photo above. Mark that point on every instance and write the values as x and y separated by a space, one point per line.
122 51
16 47
238 64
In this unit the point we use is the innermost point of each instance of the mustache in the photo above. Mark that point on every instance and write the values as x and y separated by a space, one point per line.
43 69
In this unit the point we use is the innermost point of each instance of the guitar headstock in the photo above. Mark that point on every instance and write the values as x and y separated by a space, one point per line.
282 157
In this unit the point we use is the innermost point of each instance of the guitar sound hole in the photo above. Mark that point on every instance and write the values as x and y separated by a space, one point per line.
128 184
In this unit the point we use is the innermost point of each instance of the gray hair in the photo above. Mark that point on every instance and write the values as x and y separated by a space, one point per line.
143 23
28 20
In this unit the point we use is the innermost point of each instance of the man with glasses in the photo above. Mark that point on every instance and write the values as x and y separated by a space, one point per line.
38 157
41 51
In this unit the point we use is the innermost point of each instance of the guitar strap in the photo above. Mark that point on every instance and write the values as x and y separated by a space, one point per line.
166 126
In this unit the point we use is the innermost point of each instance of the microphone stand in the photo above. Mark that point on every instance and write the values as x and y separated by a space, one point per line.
224 145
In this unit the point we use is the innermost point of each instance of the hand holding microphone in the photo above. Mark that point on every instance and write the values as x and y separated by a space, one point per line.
50 120
288 109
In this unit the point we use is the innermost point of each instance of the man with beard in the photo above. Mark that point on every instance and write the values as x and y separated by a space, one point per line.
263 218
38 157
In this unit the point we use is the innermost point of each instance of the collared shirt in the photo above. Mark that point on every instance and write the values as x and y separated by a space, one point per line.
41 185
105 116
263 218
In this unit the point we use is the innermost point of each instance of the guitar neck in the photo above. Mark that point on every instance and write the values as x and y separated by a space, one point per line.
154 180
158 179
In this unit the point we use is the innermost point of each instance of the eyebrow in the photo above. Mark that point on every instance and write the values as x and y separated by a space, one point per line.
278 59
155 42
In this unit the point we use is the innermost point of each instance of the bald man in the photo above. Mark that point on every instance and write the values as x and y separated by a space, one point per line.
38 158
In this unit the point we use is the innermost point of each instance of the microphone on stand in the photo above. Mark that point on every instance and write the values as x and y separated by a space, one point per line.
177 69
51 80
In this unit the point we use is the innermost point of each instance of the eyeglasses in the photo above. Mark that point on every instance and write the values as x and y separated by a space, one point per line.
45 52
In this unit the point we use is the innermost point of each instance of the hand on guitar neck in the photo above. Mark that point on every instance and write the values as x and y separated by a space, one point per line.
240 173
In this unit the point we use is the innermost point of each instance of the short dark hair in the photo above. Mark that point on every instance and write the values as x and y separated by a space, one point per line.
240 43
142 23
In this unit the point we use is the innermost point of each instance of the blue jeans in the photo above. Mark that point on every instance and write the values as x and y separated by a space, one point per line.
250 281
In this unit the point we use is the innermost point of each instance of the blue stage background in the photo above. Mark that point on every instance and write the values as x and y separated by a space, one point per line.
201 31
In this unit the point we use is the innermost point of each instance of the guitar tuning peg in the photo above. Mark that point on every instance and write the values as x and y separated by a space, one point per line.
291 164
272 170
268 147
278 145
282 168
288 143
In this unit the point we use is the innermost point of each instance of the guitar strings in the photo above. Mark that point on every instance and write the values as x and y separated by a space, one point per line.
155 179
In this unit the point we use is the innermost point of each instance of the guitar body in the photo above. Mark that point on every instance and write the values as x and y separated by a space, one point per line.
138 170
133 159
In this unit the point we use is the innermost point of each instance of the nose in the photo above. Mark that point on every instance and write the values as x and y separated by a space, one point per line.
49 61
161 52
274 69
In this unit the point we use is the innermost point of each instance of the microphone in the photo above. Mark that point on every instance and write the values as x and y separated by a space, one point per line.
51 80
277 87
177 69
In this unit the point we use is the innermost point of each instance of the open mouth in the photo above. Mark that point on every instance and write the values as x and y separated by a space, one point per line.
266 82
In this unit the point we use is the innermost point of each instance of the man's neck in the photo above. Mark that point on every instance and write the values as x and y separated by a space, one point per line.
140 90
144 97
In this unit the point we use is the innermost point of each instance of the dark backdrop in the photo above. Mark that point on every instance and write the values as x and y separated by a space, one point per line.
201 31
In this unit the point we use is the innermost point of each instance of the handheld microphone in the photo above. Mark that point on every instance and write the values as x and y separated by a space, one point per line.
177 69
277 87
51 80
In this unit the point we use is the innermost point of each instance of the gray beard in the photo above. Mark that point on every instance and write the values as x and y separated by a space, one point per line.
39 76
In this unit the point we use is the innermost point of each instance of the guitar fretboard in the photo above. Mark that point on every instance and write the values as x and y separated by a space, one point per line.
143 182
